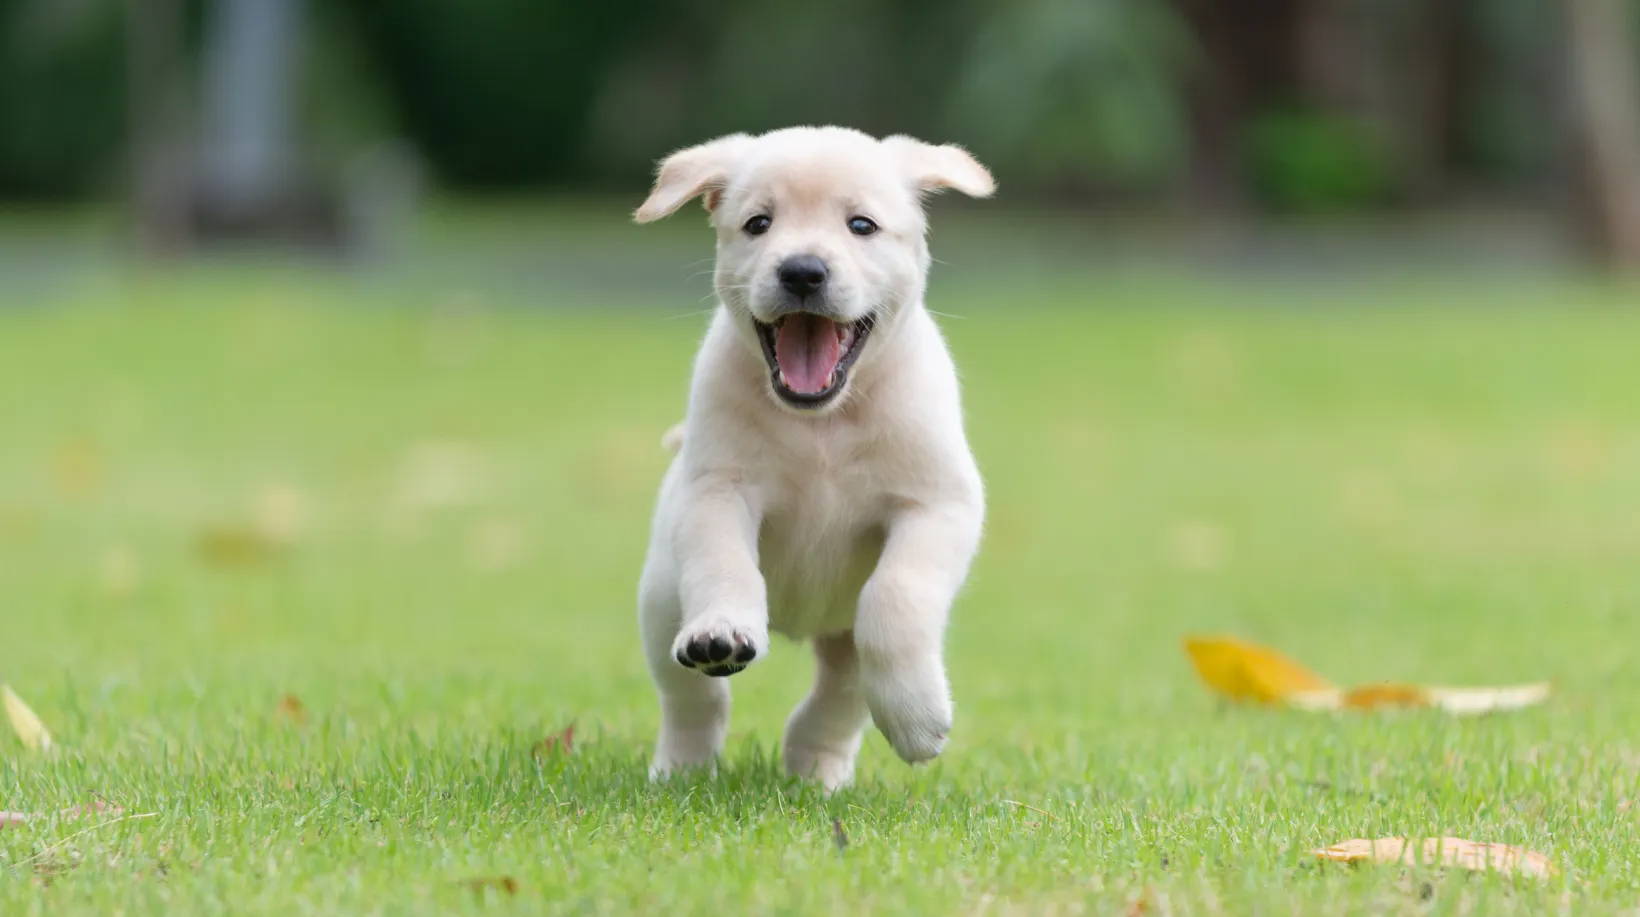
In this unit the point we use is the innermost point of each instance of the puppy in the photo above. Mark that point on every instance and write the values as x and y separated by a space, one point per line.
823 487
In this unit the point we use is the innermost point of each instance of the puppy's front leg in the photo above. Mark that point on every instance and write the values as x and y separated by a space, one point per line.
725 614
704 613
899 628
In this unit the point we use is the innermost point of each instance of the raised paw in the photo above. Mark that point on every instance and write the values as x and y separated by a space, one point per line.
717 650
912 708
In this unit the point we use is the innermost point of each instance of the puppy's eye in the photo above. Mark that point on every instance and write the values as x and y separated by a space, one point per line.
861 226
758 225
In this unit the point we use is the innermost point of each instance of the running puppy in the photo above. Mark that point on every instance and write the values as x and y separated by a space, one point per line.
823 487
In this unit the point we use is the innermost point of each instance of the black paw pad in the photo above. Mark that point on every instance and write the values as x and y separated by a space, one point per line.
716 654
722 669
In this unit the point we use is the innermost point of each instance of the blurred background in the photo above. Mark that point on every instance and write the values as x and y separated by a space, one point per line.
1513 126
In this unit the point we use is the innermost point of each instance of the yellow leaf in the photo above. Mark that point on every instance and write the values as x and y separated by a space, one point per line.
24 721
1246 671
1441 851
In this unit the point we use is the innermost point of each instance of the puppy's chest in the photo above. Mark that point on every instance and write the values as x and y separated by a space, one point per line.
821 535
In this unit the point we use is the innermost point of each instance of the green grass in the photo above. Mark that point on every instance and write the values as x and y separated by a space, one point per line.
1382 480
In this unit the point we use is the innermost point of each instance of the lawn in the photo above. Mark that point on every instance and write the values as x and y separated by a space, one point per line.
302 565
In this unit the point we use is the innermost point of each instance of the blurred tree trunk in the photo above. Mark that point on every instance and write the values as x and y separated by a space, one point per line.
1428 97
158 130
248 75
1246 57
1256 57
1605 90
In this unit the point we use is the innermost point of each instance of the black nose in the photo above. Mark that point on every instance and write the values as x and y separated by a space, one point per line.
802 274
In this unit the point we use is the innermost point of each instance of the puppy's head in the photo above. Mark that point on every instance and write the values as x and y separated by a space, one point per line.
820 240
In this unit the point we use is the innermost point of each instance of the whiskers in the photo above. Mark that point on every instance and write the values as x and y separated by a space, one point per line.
679 316
710 294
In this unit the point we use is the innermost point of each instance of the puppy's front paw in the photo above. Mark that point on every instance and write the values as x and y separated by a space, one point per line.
717 648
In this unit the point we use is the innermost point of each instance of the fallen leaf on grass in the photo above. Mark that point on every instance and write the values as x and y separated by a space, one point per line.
25 722
1244 671
292 710
492 883
1487 700
839 837
560 743
1441 851
1385 694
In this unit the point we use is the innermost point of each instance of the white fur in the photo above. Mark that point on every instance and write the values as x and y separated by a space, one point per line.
852 524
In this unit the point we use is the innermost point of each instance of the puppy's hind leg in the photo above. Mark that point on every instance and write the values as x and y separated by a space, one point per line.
824 732
694 707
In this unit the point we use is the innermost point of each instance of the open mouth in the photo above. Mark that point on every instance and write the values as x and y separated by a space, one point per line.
809 355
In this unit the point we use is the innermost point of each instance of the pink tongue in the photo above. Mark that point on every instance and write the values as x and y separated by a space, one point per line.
807 350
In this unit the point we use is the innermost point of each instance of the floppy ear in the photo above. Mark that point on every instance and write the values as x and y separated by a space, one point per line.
690 172
932 168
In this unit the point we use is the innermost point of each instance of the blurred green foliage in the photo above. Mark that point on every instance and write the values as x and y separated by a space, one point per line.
1305 160
1087 97
62 102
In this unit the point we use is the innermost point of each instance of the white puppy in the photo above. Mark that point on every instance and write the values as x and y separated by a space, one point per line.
824 487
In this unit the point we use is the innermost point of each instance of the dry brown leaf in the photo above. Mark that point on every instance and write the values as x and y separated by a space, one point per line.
560 743
1385 694
1246 671
292 710
1443 851
488 883
24 721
